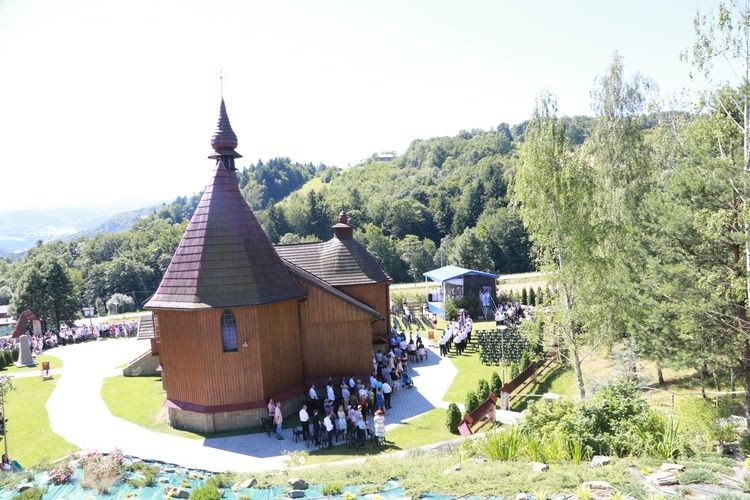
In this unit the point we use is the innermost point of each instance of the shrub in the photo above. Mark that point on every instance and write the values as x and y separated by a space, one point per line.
525 360
744 483
3 364
148 472
495 383
539 295
662 437
472 401
483 390
745 445
332 489
8 357
524 296
453 419
35 493
14 354
221 480
532 296
60 474
698 420
451 310
206 492
101 472
612 421
502 444
296 458
699 475
515 369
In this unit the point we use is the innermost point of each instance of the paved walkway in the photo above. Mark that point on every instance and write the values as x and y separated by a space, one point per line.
78 414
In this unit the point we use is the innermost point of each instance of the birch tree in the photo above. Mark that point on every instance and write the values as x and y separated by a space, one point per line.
553 189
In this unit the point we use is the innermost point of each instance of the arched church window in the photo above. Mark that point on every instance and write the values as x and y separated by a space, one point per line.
229 331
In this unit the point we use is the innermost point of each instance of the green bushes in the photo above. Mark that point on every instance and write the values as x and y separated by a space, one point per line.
495 383
14 354
147 474
472 402
615 421
332 489
35 493
469 302
3 364
453 418
512 443
221 480
206 492
8 358
745 445
483 390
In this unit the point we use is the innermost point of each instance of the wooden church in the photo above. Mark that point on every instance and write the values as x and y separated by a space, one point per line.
237 320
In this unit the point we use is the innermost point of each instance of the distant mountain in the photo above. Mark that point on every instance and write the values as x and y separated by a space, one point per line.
21 229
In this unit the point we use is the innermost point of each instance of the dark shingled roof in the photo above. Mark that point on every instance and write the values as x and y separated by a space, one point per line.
309 278
337 262
225 258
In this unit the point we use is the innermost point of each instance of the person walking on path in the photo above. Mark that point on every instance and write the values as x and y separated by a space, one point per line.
278 419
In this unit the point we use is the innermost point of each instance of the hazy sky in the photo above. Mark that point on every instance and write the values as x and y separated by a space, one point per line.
112 99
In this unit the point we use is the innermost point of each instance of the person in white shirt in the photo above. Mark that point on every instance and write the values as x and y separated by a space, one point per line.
328 423
387 394
304 419
313 395
329 392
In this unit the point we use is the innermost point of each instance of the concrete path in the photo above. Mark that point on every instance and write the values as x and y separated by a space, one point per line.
79 415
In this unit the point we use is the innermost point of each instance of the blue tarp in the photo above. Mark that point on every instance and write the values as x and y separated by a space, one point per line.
451 272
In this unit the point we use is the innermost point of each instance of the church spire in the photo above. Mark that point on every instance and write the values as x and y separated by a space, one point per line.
224 141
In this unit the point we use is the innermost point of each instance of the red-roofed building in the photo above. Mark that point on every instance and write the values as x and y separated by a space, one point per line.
237 320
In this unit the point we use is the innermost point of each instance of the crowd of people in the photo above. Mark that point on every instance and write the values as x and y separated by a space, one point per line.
456 335
509 313
72 335
343 408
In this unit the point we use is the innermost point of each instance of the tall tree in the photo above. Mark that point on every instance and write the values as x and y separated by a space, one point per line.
48 290
723 37
553 190
622 172
470 251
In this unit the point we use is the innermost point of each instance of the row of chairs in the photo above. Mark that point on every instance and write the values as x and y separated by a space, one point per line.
496 347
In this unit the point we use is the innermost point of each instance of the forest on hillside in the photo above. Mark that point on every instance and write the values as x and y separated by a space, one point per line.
637 215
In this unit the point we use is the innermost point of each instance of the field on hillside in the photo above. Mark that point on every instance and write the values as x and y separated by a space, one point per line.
505 283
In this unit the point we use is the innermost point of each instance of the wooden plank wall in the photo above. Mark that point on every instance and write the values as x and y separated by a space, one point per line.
197 370
376 296
336 336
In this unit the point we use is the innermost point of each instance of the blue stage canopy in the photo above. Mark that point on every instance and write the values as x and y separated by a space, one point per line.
451 272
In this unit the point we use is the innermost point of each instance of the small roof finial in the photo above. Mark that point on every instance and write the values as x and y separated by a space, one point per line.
224 140
221 79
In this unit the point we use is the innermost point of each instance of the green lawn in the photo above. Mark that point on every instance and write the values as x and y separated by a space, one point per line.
30 437
140 400
54 363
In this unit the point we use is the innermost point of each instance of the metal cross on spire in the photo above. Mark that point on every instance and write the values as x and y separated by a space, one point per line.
221 79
